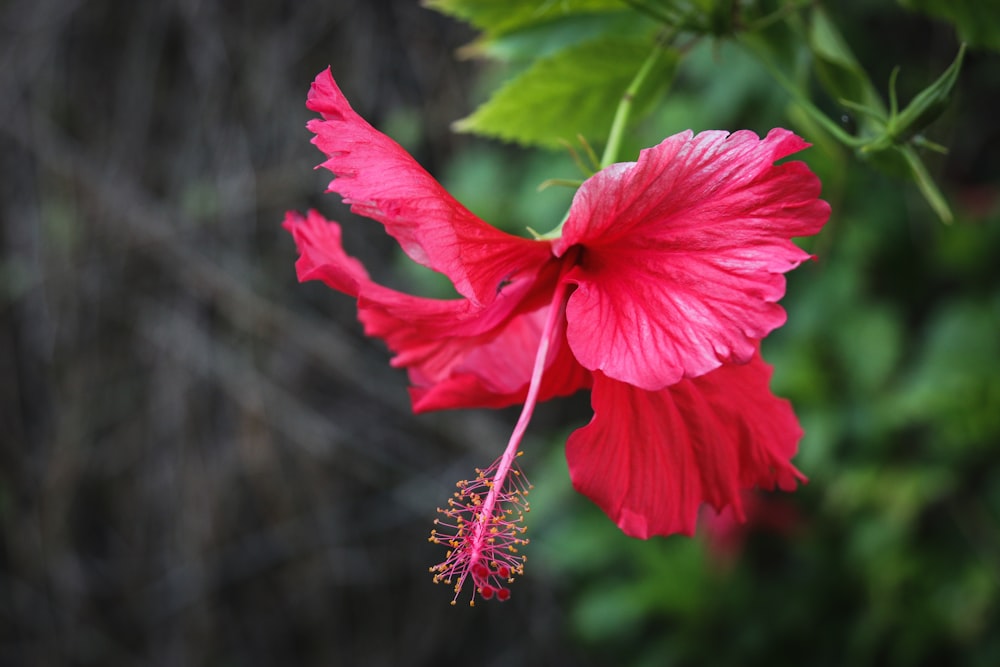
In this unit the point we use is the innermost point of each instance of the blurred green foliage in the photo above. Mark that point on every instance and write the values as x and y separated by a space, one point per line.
977 21
891 356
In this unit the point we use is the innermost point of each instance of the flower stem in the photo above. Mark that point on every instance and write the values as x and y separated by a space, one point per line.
625 107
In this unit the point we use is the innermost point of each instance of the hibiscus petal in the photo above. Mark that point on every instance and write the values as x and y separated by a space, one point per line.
380 180
650 459
495 371
684 253
457 354
321 254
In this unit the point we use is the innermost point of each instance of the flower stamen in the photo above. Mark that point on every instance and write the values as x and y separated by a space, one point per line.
482 525
483 543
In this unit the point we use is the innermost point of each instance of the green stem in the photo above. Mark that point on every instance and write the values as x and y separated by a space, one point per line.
800 98
625 108
927 186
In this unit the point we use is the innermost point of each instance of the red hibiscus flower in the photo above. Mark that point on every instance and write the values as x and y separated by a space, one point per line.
654 294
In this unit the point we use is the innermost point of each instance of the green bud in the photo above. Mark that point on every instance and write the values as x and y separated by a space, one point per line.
927 105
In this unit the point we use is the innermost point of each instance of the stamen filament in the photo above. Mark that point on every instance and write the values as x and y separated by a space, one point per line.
555 312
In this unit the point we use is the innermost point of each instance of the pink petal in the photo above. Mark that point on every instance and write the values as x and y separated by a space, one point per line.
494 371
650 459
380 180
321 255
457 354
683 254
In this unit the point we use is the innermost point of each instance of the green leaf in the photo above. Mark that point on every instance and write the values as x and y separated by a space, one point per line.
573 92
497 17
977 21
545 39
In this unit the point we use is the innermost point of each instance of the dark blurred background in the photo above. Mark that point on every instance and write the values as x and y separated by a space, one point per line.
205 463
